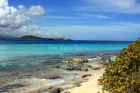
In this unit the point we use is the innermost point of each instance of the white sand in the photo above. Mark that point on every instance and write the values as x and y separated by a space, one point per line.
90 86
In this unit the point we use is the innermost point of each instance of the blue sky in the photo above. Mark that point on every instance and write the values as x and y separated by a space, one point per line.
74 19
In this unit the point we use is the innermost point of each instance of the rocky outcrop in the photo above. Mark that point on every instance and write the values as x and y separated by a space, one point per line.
55 66
53 77
66 62
84 69
70 68
96 68
85 75
77 64
86 65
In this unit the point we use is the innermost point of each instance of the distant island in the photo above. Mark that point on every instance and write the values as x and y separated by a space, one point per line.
31 37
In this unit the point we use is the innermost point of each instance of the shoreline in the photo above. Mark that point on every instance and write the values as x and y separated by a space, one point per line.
36 78
91 86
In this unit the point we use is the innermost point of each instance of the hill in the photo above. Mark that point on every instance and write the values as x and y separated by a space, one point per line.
31 37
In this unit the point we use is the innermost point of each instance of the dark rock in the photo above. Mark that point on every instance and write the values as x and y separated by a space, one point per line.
56 66
54 77
77 68
70 68
84 69
85 61
56 90
85 75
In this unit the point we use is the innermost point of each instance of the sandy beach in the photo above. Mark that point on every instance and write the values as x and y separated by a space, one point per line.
91 86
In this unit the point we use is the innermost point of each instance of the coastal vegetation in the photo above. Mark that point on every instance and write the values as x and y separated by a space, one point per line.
123 74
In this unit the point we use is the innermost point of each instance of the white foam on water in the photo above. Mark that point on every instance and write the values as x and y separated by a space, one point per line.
37 81
97 58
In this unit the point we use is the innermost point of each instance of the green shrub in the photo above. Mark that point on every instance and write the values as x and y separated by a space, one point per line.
123 75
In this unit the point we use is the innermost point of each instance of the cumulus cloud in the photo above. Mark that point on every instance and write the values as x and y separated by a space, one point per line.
16 21
120 6
35 10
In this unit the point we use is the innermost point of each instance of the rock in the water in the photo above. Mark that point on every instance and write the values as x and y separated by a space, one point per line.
86 65
85 61
77 68
84 69
65 61
76 59
96 68
75 63
56 66
85 75
54 77
70 68
56 90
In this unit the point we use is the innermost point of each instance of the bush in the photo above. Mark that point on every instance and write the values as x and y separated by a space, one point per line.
123 75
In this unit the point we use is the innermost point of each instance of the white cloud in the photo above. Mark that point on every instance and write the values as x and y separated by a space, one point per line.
50 32
35 10
93 15
20 6
30 29
120 6
16 21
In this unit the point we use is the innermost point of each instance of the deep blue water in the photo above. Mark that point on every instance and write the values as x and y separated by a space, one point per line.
62 42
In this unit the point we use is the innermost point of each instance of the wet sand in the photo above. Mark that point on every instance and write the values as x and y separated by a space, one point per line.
91 86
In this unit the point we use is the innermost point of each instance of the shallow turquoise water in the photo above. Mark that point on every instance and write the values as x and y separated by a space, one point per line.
11 50
28 52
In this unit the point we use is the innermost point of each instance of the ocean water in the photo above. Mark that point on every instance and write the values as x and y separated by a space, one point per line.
16 51
17 48
31 61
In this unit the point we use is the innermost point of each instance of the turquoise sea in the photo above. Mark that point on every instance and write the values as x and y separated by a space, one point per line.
29 62
10 50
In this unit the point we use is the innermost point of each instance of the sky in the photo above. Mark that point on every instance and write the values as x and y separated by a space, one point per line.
73 19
